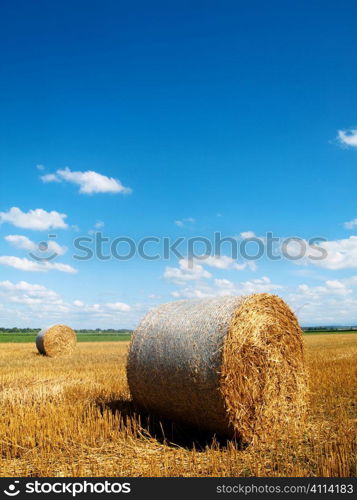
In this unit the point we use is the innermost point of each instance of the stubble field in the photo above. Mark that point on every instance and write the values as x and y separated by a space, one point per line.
73 417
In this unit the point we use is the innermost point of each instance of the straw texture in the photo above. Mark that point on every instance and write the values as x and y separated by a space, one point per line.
230 365
57 340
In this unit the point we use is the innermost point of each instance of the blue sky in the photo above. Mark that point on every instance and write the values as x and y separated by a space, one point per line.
175 119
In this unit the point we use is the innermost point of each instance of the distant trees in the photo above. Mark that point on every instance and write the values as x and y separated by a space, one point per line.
328 328
126 331
107 331
97 331
19 330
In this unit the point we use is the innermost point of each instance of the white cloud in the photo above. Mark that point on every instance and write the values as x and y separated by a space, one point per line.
25 287
37 219
260 285
40 167
89 182
331 287
348 137
98 225
24 264
118 306
192 269
225 262
223 287
350 224
185 222
341 254
78 303
29 294
54 247
223 283
22 242
247 234
47 305
188 271
333 302
221 262
50 178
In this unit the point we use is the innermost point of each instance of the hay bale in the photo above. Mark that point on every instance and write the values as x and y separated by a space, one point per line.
57 340
233 366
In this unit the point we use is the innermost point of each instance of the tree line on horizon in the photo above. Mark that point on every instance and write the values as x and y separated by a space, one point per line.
128 331
82 330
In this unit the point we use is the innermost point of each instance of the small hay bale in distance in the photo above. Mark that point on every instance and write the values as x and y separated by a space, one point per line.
56 340
233 366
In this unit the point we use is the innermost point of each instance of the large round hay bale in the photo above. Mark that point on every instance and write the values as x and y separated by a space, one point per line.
231 365
57 340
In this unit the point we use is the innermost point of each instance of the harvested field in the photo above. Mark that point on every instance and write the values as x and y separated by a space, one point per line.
73 417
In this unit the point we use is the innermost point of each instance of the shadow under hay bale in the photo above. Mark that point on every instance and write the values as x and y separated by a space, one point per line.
163 430
55 341
232 366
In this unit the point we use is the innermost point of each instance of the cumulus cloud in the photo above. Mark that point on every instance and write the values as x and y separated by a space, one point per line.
260 285
118 306
223 287
192 269
78 303
331 303
37 219
188 270
247 234
350 224
335 287
24 243
41 301
50 178
348 137
225 262
24 264
29 289
106 309
225 284
340 254
330 287
89 182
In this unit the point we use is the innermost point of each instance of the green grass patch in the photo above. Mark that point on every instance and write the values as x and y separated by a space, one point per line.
120 336
328 332
81 337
